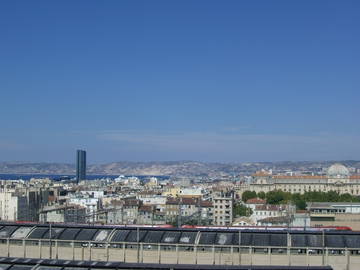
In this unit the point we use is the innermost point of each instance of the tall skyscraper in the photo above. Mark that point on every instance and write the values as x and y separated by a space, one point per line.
80 165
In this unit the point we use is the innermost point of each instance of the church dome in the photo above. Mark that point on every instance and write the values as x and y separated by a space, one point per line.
338 170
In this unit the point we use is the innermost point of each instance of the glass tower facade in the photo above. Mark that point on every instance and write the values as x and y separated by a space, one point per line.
80 165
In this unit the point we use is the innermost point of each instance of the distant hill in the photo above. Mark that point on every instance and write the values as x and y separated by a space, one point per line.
175 168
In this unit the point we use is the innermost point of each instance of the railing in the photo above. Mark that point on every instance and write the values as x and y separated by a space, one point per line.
338 258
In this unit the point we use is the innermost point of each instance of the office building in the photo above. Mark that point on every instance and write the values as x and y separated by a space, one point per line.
80 165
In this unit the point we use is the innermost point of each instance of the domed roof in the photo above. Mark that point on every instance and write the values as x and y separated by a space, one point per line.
338 170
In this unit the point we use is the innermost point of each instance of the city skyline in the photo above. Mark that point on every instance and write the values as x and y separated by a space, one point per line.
161 81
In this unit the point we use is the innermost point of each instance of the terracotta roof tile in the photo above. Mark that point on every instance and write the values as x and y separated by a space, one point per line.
255 201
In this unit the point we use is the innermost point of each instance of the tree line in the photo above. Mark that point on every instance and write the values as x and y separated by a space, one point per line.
300 200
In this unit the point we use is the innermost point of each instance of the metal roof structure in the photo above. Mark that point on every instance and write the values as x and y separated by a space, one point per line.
217 237
7 263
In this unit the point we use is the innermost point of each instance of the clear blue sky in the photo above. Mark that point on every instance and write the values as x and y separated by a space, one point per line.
179 80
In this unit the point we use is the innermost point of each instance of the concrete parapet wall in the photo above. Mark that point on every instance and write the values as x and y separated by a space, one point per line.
339 258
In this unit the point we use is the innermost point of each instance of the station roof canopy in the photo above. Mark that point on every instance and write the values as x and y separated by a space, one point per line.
216 237
8 263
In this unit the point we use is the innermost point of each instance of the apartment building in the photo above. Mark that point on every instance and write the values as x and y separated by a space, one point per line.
223 208
13 207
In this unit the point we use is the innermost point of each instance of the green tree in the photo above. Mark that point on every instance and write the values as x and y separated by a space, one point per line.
278 197
332 196
262 195
346 197
300 200
300 204
248 195
241 210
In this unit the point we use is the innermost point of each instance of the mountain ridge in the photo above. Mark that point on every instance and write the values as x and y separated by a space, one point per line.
168 168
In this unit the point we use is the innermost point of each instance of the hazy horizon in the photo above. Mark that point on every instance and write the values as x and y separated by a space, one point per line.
180 161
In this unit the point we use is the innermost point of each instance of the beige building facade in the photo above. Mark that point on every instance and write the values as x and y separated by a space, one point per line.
223 209
337 179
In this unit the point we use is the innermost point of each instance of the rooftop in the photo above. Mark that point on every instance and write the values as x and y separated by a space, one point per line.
256 201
